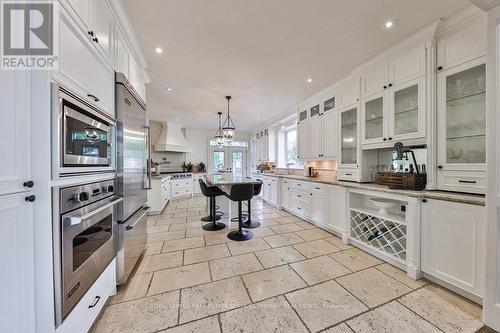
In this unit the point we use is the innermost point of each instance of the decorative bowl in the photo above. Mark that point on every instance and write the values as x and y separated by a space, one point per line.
384 204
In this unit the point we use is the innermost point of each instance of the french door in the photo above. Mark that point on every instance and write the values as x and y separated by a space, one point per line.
228 160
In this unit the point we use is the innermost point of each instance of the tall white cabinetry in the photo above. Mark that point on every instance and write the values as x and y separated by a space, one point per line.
461 108
16 204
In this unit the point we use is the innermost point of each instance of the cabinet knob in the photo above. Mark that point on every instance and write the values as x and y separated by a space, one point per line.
440 68
95 39
390 84
29 184
385 87
94 97
385 139
424 200
390 138
30 198
440 167
91 33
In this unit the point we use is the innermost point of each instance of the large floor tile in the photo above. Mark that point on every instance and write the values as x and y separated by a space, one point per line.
340 328
401 276
217 238
256 244
319 269
161 261
148 314
373 287
273 315
166 236
305 225
211 298
325 305
206 253
158 228
268 222
231 266
279 256
312 234
207 325
283 240
262 231
136 287
391 317
355 259
337 241
447 311
182 226
179 277
182 244
316 248
287 219
272 282
170 220
286 228
153 248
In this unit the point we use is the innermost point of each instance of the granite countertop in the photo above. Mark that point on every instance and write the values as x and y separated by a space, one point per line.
228 180
474 199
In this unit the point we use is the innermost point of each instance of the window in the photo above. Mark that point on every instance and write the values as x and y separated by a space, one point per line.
287 148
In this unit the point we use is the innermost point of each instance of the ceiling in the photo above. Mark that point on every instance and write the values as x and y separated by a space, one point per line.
262 51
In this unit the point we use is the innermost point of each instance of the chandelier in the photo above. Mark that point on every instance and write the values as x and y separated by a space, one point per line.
228 127
219 136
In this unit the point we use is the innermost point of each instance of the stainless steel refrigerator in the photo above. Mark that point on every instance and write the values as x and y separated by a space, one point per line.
133 176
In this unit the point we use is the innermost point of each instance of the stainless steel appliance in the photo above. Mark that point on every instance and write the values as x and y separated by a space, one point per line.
309 171
84 139
181 175
134 176
83 230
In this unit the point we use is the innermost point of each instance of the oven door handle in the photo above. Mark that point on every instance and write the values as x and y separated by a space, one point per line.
138 219
74 220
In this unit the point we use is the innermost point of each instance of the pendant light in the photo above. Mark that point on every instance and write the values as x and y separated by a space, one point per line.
219 136
228 127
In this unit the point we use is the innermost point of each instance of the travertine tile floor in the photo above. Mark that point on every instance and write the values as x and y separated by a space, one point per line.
292 277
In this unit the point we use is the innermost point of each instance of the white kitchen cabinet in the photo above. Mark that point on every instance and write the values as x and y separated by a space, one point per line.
285 194
17 280
348 132
273 192
103 27
318 210
336 208
181 188
329 134
374 79
82 69
83 9
15 131
315 126
196 182
453 243
396 114
461 128
303 134
156 196
122 55
348 92
462 44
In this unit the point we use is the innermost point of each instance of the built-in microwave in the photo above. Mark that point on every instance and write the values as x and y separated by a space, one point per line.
83 137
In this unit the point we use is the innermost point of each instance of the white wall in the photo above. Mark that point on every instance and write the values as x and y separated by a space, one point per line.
198 138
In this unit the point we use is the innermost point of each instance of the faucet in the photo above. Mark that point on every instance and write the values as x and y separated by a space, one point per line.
288 170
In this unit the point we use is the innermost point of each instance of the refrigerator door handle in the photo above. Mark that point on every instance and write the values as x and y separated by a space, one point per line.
148 160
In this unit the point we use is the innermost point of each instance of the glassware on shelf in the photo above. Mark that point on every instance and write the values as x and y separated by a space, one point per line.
374 122
406 110
349 136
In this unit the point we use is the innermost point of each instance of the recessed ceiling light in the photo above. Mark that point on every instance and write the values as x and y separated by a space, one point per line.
310 80
258 117
158 50
177 119
169 89
389 24
276 103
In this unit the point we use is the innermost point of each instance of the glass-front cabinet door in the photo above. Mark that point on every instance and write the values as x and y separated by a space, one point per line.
374 127
462 118
349 137
407 111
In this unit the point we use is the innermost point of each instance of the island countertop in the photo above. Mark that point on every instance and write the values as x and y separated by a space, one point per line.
229 179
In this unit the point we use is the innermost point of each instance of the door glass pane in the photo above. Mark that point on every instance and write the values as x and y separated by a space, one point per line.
466 116
349 134
374 115
218 159
302 115
329 104
90 240
315 110
406 110
238 163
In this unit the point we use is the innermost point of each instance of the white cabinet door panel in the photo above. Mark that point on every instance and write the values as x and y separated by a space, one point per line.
336 208
348 92
407 66
330 134
373 80
103 27
303 140
315 137
318 208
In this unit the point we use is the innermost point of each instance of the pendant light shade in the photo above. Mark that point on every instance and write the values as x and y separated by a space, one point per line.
228 127
219 136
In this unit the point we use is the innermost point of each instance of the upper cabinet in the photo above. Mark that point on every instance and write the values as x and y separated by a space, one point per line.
393 104
303 132
462 44
348 92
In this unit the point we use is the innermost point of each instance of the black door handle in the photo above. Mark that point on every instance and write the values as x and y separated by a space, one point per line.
94 97
467 181
91 33
29 183
129 227
95 39
97 299
30 198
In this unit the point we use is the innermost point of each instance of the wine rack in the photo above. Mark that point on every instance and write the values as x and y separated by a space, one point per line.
380 233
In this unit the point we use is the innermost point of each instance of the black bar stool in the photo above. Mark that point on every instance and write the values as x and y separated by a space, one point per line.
212 192
240 193
250 224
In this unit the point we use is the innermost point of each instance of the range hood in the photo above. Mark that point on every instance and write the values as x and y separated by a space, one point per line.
172 139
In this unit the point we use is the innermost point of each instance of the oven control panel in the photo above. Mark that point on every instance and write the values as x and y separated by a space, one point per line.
81 195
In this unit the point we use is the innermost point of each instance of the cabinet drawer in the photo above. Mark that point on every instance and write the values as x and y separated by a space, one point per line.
462 181
303 186
301 196
318 188
301 208
348 174
84 313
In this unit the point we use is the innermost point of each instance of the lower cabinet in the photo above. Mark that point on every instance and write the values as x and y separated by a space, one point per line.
181 188
285 195
336 208
196 184
270 190
453 241
159 194
318 211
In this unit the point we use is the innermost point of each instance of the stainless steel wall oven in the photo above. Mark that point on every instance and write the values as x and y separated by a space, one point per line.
84 227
